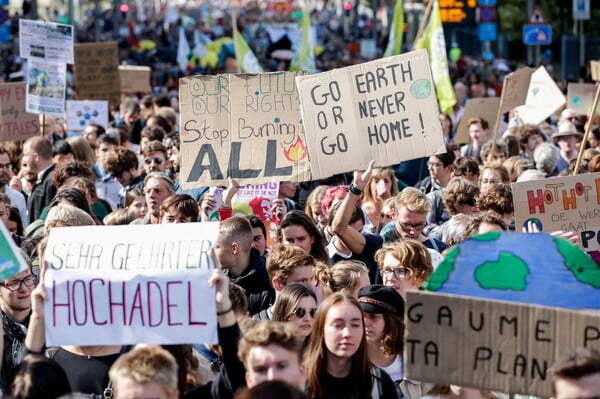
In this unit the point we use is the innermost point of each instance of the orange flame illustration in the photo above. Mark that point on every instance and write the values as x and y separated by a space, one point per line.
295 152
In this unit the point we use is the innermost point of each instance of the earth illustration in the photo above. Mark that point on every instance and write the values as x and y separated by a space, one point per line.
531 268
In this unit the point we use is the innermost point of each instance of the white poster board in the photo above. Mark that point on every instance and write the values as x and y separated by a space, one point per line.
46 41
82 113
117 285
544 97
46 85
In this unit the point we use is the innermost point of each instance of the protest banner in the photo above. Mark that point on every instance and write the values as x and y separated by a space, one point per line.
514 89
116 285
483 107
243 126
380 110
46 86
97 72
46 41
569 203
82 113
254 199
595 70
135 79
11 261
543 98
580 97
15 122
491 345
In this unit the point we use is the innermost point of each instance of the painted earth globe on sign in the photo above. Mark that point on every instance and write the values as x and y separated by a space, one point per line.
531 268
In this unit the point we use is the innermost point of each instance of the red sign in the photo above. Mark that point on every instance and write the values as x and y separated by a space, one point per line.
537 17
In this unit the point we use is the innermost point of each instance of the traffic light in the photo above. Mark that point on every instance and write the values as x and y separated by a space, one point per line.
124 8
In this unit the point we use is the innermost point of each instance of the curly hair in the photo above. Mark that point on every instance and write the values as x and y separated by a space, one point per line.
496 197
459 190
411 254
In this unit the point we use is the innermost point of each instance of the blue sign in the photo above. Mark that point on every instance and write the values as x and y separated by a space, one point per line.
483 3
487 14
5 33
537 35
488 31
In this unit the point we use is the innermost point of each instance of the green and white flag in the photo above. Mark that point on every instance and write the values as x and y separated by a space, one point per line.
434 42
394 46
304 58
11 261
246 59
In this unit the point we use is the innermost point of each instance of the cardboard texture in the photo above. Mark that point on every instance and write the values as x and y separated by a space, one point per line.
580 97
15 123
243 126
490 345
595 70
516 87
485 107
543 98
97 72
384 110
568 203
82 113
135 79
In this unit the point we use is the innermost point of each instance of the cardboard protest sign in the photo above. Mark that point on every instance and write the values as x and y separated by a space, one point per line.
515 88
595 70
507 266
243 126
491 345
97 72
46 86
15 122
569 203
580 97
380 110
543 98
483 107
82 113
135 79
46 41
11 261
113 285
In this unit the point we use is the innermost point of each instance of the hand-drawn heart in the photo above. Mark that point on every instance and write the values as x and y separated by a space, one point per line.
535 91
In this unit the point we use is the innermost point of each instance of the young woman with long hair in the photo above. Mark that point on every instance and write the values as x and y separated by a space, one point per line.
296 303
337 360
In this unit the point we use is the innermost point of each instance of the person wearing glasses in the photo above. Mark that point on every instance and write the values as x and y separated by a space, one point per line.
440 172
15 306
154 157
405 265
297 304
122 165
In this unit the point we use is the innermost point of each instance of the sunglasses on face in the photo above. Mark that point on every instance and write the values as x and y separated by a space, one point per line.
157 161
301 312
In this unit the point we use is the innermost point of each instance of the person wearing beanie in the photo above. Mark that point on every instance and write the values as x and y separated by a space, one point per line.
383 308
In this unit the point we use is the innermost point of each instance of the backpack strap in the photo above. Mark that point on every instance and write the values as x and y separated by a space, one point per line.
377 390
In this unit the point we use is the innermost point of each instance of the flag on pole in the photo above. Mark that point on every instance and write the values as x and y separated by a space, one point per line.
246 59
304 58
434 42
394 46
183 50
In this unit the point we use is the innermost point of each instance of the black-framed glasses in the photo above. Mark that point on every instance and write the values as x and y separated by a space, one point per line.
398 272
408 227
156 160
15 285
301 312
6 166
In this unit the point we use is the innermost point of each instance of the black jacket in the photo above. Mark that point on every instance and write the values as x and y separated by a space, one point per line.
41 195
255 280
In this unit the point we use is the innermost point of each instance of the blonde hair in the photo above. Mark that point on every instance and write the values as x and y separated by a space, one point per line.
344 274
378 173
414 200
146 364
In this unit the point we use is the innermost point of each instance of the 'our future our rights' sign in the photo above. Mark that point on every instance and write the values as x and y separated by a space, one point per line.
243 126
385 110
110 285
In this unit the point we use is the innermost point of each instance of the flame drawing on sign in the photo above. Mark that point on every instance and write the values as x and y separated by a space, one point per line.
295 152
